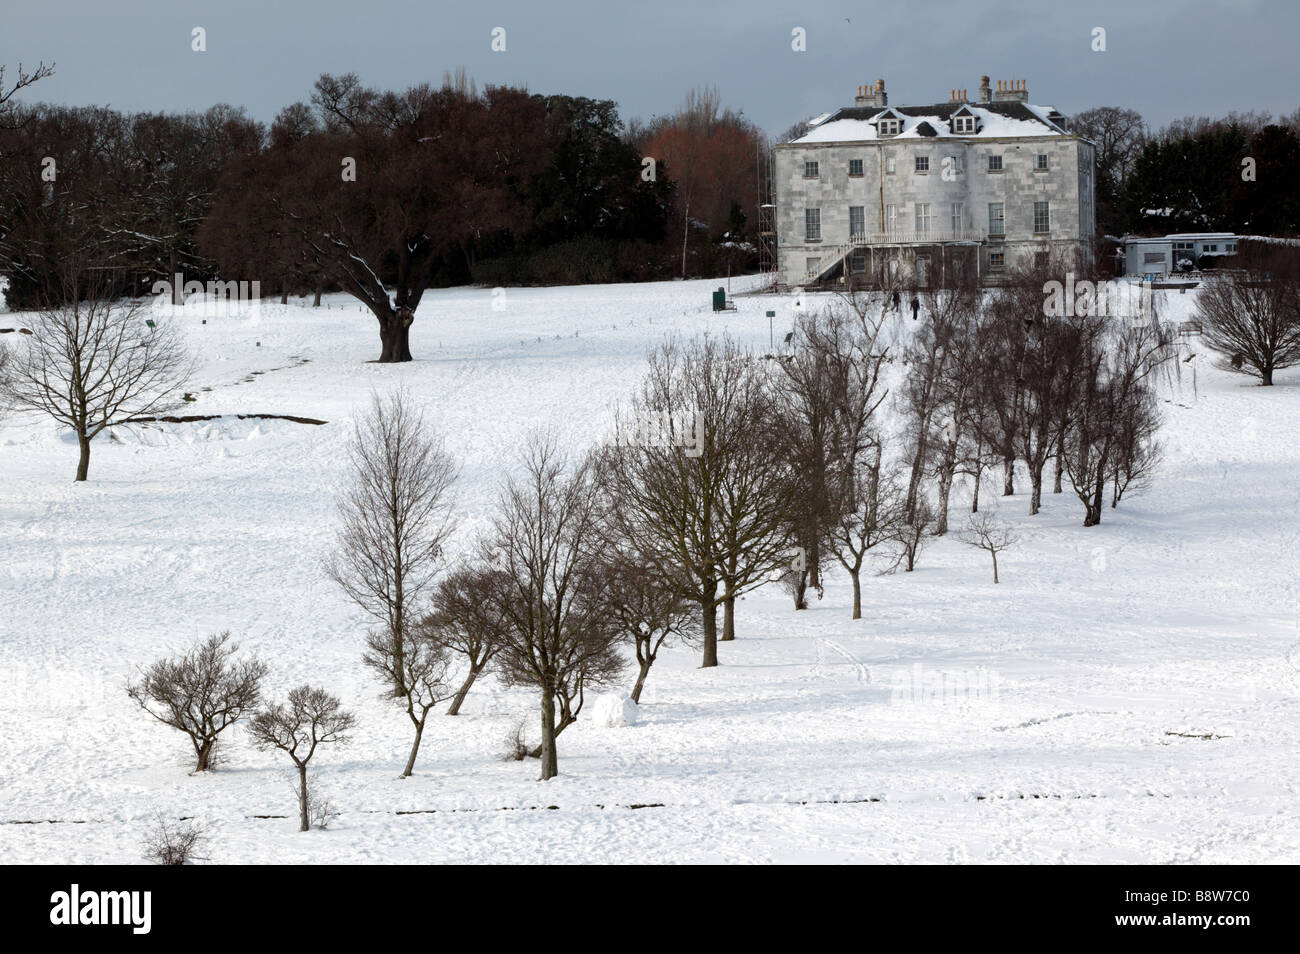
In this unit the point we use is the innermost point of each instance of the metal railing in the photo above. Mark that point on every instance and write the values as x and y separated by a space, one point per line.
918 236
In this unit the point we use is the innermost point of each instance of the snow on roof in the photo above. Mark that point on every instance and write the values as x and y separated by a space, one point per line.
996 120
1179 237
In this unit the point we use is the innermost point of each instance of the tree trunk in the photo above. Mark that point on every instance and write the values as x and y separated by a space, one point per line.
83 464
315 302
1036 488
914 480
640 678
415 749
205 754
1008 476
1266 377
1092 506
945 489
399 658
395 335
1060 462
304 823
463 691
801 591
686 232
975 493
550 764
995 565
710 622
404 338
857 593
728 619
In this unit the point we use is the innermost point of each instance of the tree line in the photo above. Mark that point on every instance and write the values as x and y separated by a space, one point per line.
377 193
1198 174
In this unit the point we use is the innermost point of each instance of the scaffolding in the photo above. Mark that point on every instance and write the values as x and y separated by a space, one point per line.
766 192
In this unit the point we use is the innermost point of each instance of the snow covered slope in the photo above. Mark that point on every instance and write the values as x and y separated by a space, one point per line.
1128 693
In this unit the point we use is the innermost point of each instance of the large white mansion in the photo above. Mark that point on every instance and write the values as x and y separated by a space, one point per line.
958 190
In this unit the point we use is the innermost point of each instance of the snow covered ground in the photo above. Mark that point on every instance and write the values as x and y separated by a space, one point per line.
1128 693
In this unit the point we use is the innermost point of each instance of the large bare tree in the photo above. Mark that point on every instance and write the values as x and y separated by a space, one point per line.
708 510
546 543
94 362
396 517
1251 316
1113 383
828 391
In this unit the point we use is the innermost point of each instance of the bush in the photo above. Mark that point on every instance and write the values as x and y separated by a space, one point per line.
516 749
173 844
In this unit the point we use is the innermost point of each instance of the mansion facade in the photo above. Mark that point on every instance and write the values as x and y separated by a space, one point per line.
931 194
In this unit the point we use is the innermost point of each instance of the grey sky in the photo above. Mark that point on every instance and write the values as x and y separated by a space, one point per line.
1165 59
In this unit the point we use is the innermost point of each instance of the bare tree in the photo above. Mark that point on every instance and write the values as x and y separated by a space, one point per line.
1119 135
202 693
647 610
396 514
467 621
1117 359
912 531
828 391
423 674
311 718
1251 317
1045 352
710 513
935 348
872 519
560 637
999 397
987 532
1137 451
94 363
758 488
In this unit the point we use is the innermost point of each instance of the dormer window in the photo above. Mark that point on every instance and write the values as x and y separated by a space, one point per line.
963 124
891 127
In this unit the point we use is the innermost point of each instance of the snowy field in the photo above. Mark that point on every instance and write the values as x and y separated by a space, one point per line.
1136 683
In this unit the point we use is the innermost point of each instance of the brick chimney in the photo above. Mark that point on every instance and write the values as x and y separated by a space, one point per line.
1011 91
872 95
986 94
